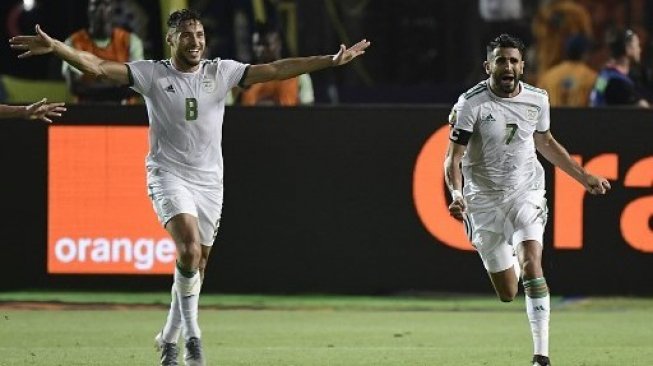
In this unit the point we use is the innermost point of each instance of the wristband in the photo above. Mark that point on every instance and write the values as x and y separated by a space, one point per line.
456 194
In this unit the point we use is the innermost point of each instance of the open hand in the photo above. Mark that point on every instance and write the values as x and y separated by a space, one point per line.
345 54
39 44
44 111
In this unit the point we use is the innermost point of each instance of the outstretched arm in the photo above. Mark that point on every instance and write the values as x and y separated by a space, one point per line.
39 110
291 67
100 69
558 156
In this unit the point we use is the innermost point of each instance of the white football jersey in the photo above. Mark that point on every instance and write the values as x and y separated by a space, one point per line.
185 112
500 160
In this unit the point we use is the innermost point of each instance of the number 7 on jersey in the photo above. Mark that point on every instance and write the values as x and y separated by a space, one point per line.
511 128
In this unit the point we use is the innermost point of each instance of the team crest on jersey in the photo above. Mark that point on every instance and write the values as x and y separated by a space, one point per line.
531 114
208 86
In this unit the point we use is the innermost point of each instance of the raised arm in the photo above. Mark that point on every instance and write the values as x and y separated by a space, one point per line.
291 67
89 64
41 110
454 178
555 153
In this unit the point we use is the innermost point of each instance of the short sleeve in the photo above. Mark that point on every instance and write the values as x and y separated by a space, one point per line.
544 120
453 115
463 115
141 75
232 72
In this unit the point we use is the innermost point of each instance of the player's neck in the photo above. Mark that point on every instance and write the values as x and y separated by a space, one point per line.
182 66
496 90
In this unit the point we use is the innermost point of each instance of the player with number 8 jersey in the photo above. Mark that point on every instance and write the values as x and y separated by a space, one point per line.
185 98
186 111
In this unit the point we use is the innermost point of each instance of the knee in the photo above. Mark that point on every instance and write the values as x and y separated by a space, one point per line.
507 295
189 253
507 292
506 299
530 258
531 268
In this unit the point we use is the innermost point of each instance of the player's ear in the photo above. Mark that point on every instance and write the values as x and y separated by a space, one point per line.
486 66
169 38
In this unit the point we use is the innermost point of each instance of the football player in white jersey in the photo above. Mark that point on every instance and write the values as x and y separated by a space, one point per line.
497 183
41 110
185 102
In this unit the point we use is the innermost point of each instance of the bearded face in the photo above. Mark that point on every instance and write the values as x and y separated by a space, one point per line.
187 44
505 67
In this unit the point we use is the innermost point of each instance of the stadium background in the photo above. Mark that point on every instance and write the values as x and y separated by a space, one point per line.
327 199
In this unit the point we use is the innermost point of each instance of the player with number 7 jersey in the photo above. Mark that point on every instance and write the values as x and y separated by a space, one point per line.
497 182
500 160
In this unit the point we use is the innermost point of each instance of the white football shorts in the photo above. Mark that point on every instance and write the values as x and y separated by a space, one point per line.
496 232
172 195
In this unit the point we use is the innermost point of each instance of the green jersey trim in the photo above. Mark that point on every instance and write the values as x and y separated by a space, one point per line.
534 89
478 89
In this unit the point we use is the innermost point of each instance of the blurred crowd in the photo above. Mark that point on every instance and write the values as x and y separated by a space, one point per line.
583 52
591 53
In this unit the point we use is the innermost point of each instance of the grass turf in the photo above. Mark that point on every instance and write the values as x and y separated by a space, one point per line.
327 330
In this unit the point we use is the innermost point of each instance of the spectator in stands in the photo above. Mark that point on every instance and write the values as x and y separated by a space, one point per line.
40 110
268 47
108 42
570 83
553 24
613 85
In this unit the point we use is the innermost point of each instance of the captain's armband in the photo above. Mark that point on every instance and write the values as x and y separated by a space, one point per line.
459 136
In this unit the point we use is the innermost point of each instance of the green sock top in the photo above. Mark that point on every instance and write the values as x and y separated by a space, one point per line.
185 273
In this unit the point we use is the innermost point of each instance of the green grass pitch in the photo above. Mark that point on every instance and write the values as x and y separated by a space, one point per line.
325 330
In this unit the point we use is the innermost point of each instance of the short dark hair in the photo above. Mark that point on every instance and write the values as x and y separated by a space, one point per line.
180 16
618 41
505 40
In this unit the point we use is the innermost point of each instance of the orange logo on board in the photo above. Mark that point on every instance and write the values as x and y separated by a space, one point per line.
100 219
